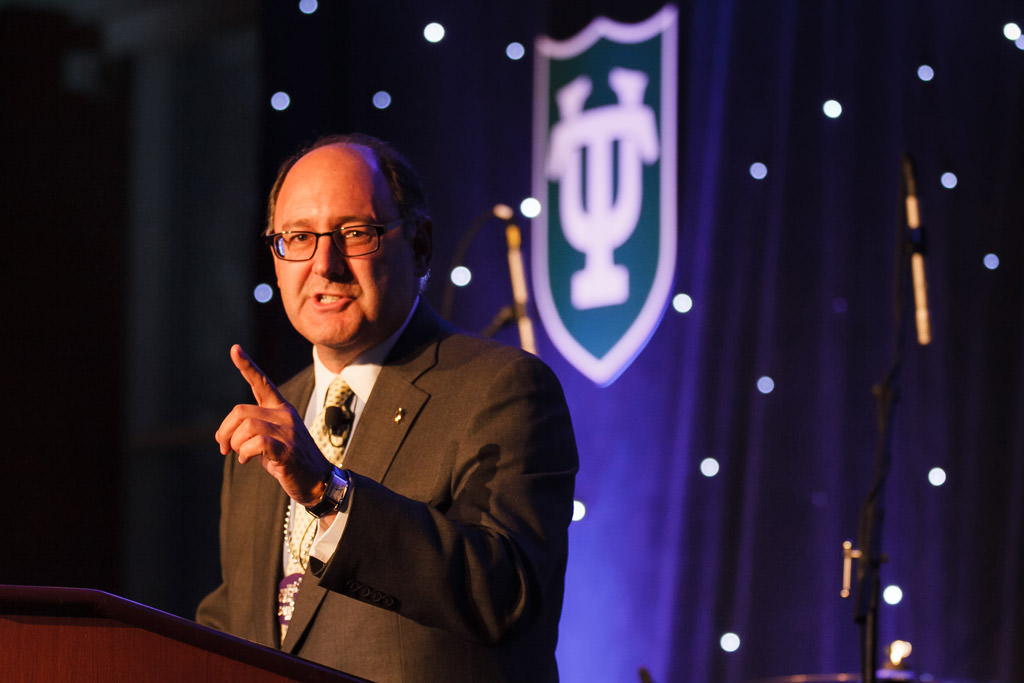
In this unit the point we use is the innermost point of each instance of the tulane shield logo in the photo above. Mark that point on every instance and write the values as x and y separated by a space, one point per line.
604 170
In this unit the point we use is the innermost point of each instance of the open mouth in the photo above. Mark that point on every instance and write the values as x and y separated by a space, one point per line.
332 300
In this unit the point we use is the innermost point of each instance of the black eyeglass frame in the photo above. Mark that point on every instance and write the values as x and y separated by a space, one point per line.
271 239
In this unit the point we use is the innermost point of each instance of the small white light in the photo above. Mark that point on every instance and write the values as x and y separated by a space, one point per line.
461 276
709 467
307 6
991 261
579 511
1019 43
892 595
682 303
730 642
1011 31
515 51
758 171
936 476
280 100
382 99
925 73
263 292
949 180
529 207
766 385
433 32
832 109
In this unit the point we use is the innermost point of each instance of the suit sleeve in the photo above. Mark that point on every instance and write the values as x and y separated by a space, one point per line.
486 555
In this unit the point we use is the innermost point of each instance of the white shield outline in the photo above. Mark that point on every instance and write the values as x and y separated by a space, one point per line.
604 370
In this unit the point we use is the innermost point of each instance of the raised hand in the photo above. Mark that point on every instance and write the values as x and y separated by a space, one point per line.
272 431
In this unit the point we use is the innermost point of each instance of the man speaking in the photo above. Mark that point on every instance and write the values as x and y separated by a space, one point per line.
399 509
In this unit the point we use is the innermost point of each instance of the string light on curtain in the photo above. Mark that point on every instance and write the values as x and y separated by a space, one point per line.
991 261
382 99
893 595
515 51
766 385
529 207
263 293
433 32
730 642
709 467
832 109
936 476
280 100
308 6
682 303
949 180
1013 33
461 275
925 73
579 510
758 171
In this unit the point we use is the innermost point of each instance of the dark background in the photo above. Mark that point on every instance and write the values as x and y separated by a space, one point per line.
137 148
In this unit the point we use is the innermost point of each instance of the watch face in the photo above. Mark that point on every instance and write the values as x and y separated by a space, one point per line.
337 487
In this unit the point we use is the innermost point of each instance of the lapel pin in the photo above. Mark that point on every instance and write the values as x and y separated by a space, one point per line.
399 414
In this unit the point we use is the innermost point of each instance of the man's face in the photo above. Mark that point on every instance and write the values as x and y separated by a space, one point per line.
345 306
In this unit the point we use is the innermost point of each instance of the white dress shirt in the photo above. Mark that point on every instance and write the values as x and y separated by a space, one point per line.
360 375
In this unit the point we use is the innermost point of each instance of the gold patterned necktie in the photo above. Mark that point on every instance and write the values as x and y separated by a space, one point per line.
333 424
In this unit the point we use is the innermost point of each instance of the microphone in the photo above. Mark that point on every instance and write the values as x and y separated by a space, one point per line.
514 240
924 330
502 211
337 419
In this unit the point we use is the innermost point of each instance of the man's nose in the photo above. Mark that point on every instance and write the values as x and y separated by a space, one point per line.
328 262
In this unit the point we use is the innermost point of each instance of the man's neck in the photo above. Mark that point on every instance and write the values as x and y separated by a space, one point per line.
336 361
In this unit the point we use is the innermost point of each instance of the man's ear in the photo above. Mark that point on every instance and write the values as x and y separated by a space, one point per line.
422 246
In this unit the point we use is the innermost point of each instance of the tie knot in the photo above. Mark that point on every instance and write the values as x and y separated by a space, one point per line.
338 392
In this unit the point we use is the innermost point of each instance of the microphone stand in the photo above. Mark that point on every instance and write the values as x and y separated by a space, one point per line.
502 319
869 555
515 312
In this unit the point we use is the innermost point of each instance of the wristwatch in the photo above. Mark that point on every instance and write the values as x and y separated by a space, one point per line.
334 494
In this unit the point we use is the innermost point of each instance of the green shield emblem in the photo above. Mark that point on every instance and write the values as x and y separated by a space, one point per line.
604 170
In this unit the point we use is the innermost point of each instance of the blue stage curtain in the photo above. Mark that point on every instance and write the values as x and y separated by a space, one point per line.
792 278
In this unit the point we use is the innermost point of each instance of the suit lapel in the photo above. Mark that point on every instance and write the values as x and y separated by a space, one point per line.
387 418
396 401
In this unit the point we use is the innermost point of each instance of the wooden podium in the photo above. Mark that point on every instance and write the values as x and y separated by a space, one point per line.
76 634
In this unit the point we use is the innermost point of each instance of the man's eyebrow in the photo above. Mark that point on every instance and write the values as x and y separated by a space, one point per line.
297 224
305 224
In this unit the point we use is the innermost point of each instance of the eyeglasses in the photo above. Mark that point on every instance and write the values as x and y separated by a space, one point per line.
349 240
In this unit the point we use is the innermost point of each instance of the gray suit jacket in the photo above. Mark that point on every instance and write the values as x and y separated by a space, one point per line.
452 564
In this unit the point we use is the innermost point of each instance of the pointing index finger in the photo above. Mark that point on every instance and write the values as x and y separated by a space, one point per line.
266 394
